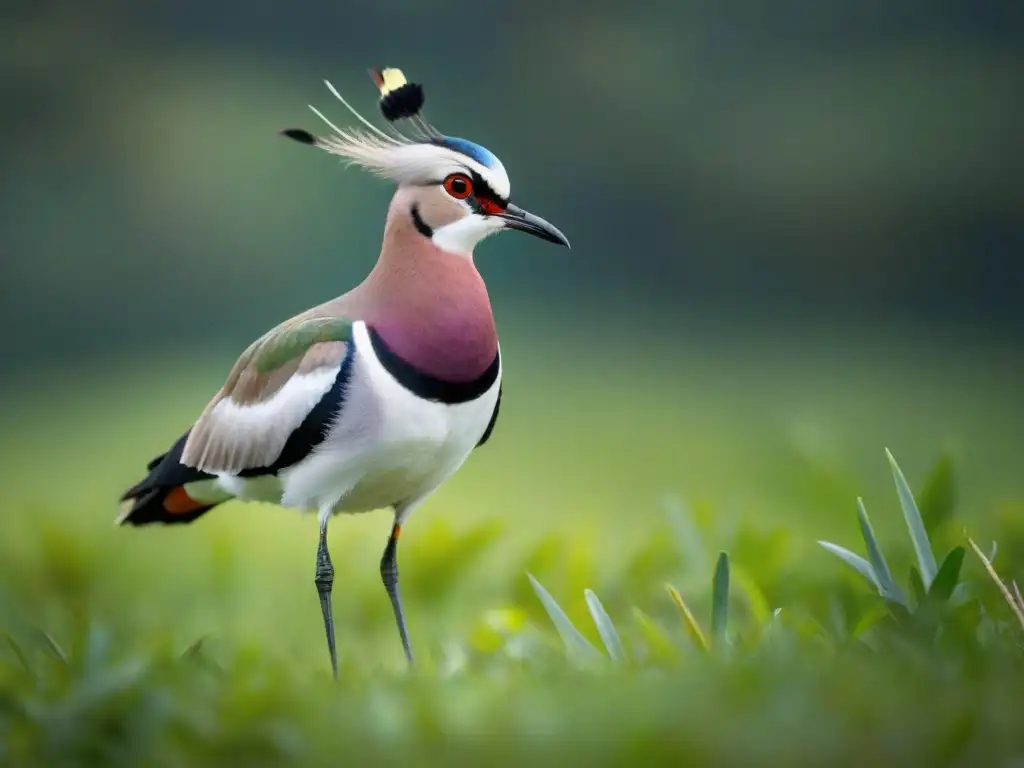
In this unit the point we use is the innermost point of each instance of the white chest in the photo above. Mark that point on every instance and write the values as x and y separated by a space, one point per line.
388 445
426 434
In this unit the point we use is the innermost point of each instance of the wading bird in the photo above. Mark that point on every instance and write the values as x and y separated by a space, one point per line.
373 399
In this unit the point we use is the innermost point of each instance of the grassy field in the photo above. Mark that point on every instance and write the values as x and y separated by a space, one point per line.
619 473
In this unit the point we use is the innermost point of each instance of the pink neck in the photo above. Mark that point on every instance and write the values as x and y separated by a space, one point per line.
431 308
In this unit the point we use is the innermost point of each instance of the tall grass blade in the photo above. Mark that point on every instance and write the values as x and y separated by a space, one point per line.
855 561
918 534
886 585
605 627
720 599
574 640
689 621
948 576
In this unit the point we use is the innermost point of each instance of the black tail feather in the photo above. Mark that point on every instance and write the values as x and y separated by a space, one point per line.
159 497
150 508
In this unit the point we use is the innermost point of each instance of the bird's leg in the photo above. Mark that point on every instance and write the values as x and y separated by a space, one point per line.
324 582
389 573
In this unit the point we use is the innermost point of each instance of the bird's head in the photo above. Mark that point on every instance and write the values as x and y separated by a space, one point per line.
456 192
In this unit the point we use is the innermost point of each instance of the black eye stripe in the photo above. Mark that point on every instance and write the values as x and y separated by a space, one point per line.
483 189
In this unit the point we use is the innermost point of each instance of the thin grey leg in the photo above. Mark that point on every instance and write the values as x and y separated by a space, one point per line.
324 582
389 574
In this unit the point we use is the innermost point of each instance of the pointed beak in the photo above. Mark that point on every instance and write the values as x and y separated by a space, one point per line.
516 218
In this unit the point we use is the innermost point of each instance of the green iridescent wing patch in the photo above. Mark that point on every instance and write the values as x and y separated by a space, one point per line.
294 341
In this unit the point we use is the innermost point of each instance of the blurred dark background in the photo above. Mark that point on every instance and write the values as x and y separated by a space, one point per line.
853 162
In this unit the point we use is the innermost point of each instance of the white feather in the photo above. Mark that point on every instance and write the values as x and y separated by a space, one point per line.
414 163
350 108
462 235
403 160
269 424
264 488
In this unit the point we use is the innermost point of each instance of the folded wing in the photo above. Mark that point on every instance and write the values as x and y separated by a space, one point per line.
272 393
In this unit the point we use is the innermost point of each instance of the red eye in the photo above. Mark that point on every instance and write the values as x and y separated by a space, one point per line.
459 186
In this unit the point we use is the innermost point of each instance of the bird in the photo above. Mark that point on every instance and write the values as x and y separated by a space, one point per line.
372 399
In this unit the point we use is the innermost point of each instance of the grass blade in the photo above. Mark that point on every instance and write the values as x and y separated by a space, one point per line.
19 653
55 647
720 599
689 621
574 640
855 561
918 534
948 576
886 585
1018 610
605 627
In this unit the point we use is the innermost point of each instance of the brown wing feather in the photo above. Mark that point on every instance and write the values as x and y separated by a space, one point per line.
248 421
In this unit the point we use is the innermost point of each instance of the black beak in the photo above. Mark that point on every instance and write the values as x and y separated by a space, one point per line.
516 218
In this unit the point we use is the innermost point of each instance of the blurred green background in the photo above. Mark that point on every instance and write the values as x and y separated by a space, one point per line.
796 232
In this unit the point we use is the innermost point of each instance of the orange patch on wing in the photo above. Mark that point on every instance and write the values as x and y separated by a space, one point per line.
177 502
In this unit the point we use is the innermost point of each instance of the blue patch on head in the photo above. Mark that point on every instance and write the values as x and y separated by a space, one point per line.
482 155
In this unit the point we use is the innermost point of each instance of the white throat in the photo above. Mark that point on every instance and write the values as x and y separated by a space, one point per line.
462 236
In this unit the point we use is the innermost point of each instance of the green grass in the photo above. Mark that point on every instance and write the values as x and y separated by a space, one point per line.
630 574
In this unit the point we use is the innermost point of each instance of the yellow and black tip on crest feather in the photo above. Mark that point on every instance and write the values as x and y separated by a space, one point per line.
399 99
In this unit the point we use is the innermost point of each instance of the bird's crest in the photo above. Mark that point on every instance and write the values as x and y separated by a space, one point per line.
416 156
398 97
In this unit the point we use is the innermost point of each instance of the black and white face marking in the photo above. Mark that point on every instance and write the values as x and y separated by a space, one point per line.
487 211
472 188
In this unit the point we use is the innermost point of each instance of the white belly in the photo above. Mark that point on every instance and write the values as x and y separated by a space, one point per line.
387 447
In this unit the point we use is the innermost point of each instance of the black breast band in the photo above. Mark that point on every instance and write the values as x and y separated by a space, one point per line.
429 387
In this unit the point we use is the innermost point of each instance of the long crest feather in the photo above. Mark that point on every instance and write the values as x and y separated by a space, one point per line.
363 120
421 156
366 145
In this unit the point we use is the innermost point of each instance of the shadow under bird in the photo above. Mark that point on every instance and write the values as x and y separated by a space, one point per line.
373 399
